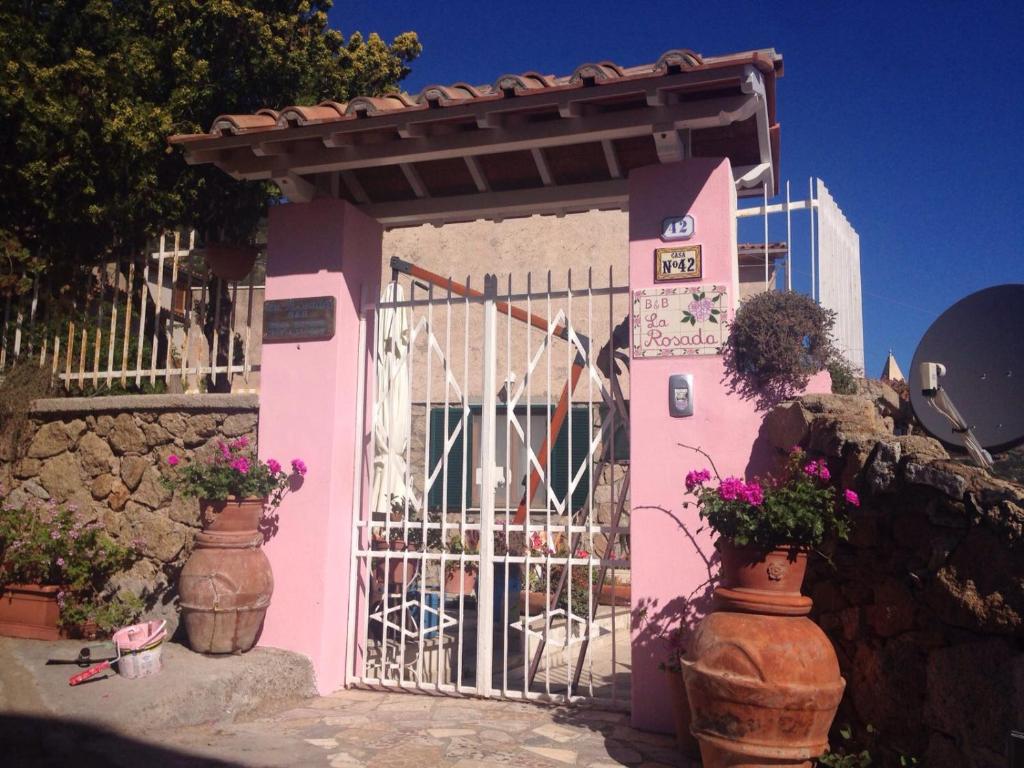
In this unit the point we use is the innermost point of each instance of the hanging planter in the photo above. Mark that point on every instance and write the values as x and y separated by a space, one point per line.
230 261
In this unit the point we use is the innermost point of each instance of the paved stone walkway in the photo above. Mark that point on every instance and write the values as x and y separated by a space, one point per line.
356 728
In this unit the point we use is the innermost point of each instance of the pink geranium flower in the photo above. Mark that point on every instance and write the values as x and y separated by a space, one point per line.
173 460
852 497
240 464
299 466
274 466
696 477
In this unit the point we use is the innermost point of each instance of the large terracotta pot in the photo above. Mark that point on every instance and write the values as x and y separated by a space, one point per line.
226 584
400 570
30 610
460 583
762 680
230 261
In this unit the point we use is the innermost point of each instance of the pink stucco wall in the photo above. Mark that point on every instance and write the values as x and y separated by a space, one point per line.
672 560
307 410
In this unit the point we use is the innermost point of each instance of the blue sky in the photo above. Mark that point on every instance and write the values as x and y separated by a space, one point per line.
912 114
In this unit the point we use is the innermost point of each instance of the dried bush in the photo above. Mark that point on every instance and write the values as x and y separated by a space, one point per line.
20 384
777 341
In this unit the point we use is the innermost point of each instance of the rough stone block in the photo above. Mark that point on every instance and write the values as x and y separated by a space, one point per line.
238 424
95 455
51 438
126 436
132 470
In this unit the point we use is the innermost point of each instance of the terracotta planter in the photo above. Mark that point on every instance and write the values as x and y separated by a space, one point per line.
537 602
762 680
226 584
681 713
460 583
230 261
400 570
614 594
231 515
30 611
763 582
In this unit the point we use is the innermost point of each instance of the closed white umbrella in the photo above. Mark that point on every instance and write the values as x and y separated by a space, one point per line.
392 404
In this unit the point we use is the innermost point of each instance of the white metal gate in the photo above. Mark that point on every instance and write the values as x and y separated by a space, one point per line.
491 551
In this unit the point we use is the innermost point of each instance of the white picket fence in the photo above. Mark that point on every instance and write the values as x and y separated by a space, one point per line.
158 318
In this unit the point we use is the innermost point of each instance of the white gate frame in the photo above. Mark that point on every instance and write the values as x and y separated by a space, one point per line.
398 658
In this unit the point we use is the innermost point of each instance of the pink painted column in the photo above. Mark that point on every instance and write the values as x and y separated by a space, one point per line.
308 411
671 562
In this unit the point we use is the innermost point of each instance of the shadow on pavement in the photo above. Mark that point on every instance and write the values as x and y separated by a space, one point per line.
34 742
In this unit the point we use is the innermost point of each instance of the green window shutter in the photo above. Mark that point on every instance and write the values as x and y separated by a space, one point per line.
456 486
560 458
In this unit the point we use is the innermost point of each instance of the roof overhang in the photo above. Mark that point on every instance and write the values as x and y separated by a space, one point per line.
530 144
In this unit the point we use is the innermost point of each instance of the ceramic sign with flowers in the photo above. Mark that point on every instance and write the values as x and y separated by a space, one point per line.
679 321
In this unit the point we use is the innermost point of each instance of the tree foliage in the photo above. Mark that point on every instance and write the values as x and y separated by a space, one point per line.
91 89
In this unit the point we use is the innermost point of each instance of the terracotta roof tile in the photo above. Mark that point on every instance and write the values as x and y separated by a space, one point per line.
593 73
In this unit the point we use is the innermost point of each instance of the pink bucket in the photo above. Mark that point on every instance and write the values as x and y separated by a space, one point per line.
139 647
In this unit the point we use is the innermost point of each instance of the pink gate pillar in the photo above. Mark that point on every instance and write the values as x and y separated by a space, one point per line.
308 411
670 560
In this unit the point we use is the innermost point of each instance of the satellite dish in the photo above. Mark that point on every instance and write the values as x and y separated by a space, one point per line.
979 341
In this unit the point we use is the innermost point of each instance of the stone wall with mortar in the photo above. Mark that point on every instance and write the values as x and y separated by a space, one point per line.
105 455
925 602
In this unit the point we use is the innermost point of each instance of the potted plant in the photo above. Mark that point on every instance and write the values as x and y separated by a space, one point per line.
226 584
767 526
55 567
757 659
460 576
544 579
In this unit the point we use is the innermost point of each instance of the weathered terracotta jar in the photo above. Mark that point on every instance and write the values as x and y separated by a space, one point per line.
226 584
762 680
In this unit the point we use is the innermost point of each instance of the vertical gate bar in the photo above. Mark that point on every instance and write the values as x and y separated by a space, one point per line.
68 353
443 563
32 315
186 344
549 539
82 356
567 502
402 599
169 322
467 483
485 574
613 534
385 610
101 279
232 318
113 321
158 307
18 321
143 291
358 467
129 287
789 242
246 350
507 474
592 479
423 511
204 305
215 341
527 518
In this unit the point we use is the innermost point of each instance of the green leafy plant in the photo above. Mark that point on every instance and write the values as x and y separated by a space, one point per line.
843 375
456 546
234 471
797 508
50 544
546 577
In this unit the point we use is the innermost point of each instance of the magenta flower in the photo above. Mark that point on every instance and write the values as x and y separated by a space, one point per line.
299 466
752 493
224 449
823 472
242 442
852 497
811 469
696 477
274 466
173 460
240 464
60 562
54 534
730 489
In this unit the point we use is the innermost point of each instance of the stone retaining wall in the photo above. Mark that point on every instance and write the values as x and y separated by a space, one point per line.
105 454
925 603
